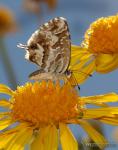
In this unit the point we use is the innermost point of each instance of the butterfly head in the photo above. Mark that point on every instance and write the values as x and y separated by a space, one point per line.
34 52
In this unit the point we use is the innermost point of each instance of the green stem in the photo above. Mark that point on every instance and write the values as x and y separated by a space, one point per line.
7 64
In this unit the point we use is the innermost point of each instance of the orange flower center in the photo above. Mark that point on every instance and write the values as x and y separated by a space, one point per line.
44 103
102 36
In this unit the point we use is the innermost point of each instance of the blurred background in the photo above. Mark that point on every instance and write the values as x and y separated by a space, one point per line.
27 16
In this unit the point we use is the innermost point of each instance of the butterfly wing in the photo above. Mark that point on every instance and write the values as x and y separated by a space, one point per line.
49 47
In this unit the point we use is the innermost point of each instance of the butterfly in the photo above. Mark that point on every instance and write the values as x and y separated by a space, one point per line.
49 47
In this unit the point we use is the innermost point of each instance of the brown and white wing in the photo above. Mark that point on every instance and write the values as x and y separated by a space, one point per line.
50 46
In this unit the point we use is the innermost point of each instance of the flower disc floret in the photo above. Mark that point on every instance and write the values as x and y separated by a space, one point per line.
44 103
102 35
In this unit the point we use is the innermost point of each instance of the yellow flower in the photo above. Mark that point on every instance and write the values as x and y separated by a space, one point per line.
38 115
7 21
100 46
82 65
101 37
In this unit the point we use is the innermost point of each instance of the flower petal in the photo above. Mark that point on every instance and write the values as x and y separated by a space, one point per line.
67 139
47 139
4 123
5 89
109 120
92 113
106 63
6 138
79 64
5 103
3 114
78 54
21 139
79 76
95 135
110 97
75 49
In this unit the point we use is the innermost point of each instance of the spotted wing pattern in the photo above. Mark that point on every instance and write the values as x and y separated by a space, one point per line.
49 46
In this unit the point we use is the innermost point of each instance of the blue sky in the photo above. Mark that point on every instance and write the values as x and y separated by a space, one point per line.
79 13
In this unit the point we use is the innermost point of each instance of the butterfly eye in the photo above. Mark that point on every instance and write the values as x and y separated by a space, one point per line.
33 46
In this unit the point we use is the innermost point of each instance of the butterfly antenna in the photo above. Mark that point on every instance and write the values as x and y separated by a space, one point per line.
88 74
22 46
